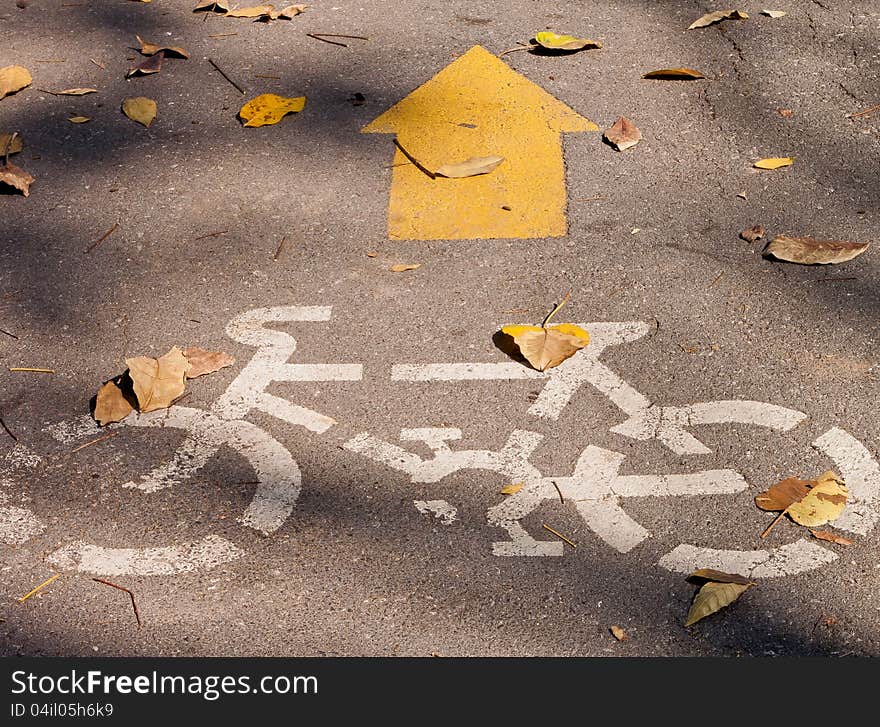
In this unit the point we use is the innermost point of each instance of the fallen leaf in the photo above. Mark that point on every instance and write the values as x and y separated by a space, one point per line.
809 251
545 348
16 177
824 502
71 91
205 362
403 267
153 64
704 575
750 234
288 13
269 108
10 143
774 13
13 79
783 494
158 382
470 167
216 6
553 41
774 162
674 74
716 17
254 11
618 633
111 404
623 134
785 113
149 49
830 537
140 109
79 119
512 488
712 597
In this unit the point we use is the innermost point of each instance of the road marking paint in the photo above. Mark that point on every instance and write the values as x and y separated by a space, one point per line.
441 510
20 457
18 525
475 107
68 432
797 557
204 554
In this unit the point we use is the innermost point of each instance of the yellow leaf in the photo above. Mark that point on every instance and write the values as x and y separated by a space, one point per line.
809 251
553 41
774 162
79 119
716 17
205 362
712 597
111 404
545 348
512 488
674 74
13 78
470 167
158 382
269 108
824 502
254 11
403 267
140 109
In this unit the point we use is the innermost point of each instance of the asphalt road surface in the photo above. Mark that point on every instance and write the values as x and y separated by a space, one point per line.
337 490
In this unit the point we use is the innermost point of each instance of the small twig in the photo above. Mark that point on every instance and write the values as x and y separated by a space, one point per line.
222 73
11 335
220 35
280 245
103 68
531 46
717 278
772 525
32 370
39 588
130 595
559 535
51 60
323 38
561 498
8 430
102 238
94 441
871 110
210 234
421 167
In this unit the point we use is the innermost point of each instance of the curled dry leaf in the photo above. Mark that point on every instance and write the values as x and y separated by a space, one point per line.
79 119
13 79
618 633
512 488
215 6
158 382
288 13
10 143
623 134
269 108
785 113
152 64
71 91
150 49
403 267
254 11
553 41
750 234
712 597
774 162
716 17
674 74
774 13
824 502
140 109
830 537
704 575
111 404
470 167
17 177
205 362
809 251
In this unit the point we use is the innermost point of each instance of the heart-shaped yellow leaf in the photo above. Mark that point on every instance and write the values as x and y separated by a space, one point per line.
158 382
554 41
545 348
140 109
774 162
269 108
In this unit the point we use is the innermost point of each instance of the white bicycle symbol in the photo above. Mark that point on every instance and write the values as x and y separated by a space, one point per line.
594 486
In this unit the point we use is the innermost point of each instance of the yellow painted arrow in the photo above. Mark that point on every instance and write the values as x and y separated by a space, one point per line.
478 107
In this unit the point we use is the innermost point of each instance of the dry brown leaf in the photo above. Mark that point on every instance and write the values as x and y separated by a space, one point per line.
291 11
111 405
254 11
16 177
13 79
674 74
79 119
71 91
750 234
152 64
158 382
618 633
783 494
785 113
545 348
10 143
149 49
774 163
205 362
830 537
774 13
512 488
403 267
470 167
217 6
712 597
824 502
716 17
809 251
703 575
623 134
140 109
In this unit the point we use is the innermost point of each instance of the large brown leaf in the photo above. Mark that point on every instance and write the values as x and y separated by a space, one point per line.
783 494
809 251
205 362
158 382
111 405
16 177
623 134
545 348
